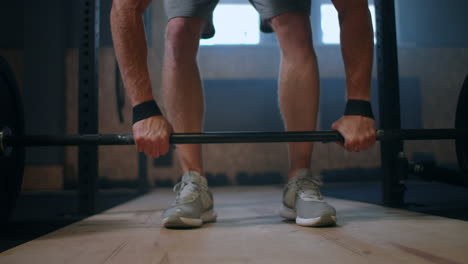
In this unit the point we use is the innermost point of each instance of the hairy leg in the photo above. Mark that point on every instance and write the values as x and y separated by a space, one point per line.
182 86
298 83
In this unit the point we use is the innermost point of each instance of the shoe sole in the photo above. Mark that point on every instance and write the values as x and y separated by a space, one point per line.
181 222
323 220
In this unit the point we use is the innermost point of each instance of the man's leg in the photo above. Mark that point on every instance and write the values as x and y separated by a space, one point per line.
184 107
298 82
299 94
182 86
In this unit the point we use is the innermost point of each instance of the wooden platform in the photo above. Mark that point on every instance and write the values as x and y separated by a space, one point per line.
249 230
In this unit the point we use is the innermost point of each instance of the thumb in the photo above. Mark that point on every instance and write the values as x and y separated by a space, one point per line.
335 126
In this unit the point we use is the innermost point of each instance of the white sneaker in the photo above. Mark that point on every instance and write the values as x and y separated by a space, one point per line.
193 205
303 202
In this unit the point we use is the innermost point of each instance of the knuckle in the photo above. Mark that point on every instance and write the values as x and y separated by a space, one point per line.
165 136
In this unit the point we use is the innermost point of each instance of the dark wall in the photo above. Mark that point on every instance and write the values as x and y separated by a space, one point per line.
72 8
433 23
11 24
44 74
252 105
241 105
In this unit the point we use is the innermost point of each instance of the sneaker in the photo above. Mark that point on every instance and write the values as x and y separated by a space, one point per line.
303 202
193 205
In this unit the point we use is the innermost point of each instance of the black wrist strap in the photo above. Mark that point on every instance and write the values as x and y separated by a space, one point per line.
359 107
145 110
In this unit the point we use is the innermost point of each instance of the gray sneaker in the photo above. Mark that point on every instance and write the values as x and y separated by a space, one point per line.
303 202
193 205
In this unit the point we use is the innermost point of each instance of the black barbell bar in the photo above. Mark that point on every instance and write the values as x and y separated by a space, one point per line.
225 137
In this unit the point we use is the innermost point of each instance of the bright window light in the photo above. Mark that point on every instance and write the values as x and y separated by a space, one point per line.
331 26
235 24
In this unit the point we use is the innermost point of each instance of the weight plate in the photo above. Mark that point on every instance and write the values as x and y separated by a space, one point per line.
12 161
461 122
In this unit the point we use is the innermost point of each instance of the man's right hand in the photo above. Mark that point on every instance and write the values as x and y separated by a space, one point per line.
152 136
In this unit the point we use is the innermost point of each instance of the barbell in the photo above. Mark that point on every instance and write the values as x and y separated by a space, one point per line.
9 141
13 140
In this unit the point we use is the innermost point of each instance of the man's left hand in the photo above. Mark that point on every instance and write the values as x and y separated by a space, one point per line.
358 131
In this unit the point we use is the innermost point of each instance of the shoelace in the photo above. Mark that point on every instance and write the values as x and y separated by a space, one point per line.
186 189
309 186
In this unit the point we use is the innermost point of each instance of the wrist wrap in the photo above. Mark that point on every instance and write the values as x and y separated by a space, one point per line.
359 107
145 110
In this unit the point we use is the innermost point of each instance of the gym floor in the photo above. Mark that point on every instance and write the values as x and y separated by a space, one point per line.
40 213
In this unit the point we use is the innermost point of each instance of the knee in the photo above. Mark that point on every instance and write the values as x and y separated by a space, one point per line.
297 43
137 6
182 38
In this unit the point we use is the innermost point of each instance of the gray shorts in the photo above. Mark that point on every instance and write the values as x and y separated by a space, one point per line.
204 9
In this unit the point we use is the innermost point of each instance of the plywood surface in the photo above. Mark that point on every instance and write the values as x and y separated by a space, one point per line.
249 230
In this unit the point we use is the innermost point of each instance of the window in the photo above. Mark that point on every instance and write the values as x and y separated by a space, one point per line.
235 24
330 25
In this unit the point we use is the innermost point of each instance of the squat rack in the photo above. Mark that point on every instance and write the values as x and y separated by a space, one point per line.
393 187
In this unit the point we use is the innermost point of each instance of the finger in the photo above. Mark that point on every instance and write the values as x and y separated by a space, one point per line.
365 145
335 126
151 153
349 145
361 144
160 146
164 146
142 145
354 145
370 140
138 144
163 149
147 149
155 148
